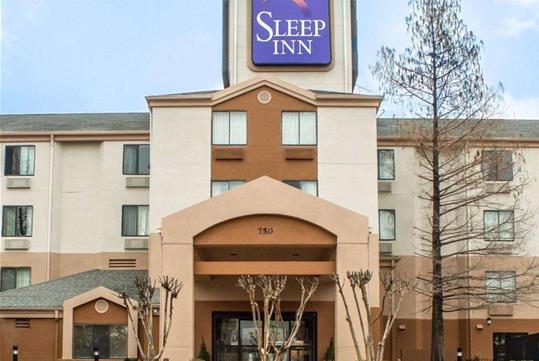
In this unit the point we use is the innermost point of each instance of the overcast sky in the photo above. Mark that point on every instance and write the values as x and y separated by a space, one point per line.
61 56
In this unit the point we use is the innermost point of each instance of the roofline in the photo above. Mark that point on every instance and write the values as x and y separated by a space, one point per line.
308 96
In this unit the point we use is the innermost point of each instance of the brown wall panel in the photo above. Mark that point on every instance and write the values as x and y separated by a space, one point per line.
35 343
87 314
264 153
203 320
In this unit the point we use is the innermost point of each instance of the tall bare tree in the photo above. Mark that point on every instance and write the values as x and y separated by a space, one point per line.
394 291
272 338
143 304
439 78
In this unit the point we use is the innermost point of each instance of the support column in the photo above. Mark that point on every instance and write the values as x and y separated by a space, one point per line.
350 257
177 261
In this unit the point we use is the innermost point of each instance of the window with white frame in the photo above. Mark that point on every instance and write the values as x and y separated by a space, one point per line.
386 164
229 128
14 277
136 159
218 187
298 128
17 221
386 220
135 220
499 225
19 160
310 187
497 165
500 287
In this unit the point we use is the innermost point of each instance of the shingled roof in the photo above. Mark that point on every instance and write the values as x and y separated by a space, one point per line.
74 122
96 122
52 294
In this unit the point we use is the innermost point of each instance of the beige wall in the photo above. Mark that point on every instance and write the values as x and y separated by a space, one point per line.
339 78
180 158
347 160
88 191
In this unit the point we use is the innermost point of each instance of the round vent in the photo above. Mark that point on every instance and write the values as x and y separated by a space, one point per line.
264 97
101 306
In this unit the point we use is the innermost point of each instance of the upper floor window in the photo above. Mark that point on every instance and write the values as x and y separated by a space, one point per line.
499 225
229 128
218 187
20 160
500 287
17 221
497 165
136 159
386 164
14 277
310 187
135 221
111 340
386 221
298 128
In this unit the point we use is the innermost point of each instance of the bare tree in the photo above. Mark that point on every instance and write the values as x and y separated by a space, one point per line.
272 339
144 307
439 78
394 291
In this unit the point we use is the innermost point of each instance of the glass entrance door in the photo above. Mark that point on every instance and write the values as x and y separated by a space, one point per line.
234 337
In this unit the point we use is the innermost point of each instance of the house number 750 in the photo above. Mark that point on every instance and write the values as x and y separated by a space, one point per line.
265 231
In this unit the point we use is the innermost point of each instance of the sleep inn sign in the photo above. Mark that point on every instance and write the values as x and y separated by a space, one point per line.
291 32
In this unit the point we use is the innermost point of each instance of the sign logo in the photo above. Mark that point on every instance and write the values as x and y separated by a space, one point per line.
291 32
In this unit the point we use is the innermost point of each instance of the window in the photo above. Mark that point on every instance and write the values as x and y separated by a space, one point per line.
386 164
229 128
218 187
298 128
386 220
135 221
111 340
497 165
511 346
17 221
19 160
136 159
234 338
499 225
310 187
14 277
500 287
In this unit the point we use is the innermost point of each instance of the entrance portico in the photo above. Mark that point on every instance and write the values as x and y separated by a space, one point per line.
262 227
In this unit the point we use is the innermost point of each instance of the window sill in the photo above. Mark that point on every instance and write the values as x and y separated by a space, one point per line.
16 244
18 182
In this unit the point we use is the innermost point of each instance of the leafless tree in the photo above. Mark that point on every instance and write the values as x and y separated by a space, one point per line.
272 339
394 291
439 78
143 304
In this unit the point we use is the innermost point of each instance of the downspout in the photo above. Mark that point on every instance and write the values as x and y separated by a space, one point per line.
345 50
56 323
235 45
49 221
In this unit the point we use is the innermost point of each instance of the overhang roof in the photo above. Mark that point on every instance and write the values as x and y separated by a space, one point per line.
52 294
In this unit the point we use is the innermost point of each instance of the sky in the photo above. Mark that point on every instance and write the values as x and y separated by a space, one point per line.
62 56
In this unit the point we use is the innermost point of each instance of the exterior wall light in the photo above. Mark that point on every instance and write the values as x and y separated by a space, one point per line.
489 321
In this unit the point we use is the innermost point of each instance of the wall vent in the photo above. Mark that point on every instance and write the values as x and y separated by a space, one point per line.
22 323
122 263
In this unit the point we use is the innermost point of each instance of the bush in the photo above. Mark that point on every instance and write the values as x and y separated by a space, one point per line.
203 353
330 353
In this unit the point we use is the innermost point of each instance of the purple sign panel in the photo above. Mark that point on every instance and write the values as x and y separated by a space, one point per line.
291 32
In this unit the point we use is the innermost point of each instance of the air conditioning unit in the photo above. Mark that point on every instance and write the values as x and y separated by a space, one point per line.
19 183
384 187
137 182
16 244
385 248
136 244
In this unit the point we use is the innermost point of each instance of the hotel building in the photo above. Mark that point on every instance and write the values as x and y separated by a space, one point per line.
284 171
